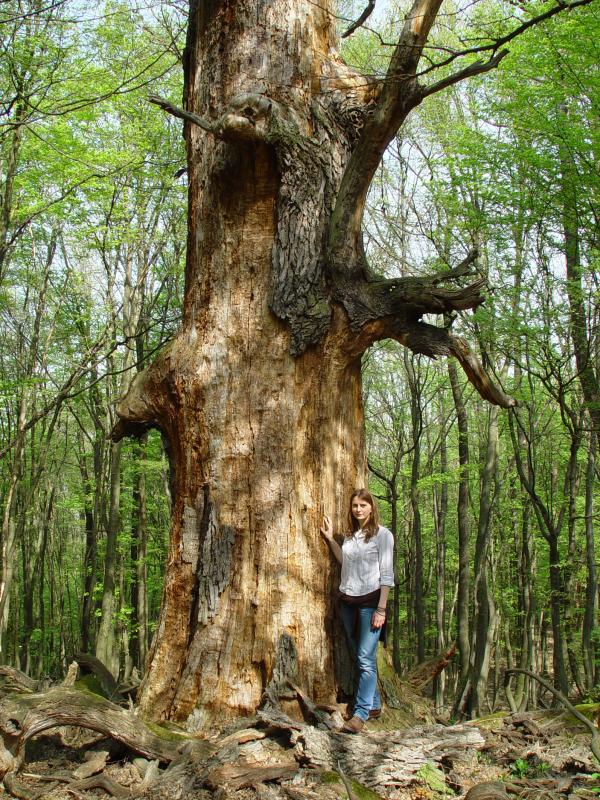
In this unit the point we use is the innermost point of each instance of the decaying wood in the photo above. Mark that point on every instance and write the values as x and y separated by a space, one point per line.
71 676
15 789
379 759
94 762
494 790
595 733
24 716
13 680
104 782
273 748
424 673
541 789
241 775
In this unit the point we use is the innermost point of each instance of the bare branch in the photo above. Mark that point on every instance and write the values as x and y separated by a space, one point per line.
246 117
476 374
432 341
181 113
460 271
495 44
361 20
477 68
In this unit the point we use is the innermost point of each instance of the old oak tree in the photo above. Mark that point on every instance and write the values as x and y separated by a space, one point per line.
258 397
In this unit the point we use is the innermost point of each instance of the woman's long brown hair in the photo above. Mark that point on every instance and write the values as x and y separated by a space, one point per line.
372 526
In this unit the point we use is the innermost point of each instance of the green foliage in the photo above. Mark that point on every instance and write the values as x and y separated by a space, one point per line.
93 205
529 767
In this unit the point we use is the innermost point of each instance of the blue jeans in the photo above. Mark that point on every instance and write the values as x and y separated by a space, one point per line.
364 648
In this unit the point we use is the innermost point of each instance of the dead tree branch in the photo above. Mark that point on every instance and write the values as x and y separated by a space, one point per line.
595 733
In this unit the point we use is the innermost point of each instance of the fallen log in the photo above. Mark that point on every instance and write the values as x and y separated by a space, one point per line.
272 747
379 759
25 715
104 676
13 680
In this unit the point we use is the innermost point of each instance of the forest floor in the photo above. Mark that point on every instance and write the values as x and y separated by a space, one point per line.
292 749
534 756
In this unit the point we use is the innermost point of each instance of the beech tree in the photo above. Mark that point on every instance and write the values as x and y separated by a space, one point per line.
258 396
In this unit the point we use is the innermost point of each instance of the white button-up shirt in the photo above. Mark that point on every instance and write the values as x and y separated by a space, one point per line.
366 566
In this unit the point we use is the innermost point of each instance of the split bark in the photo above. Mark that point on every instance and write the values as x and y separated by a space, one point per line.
258 396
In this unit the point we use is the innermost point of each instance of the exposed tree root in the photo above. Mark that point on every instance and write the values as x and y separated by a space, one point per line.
272 752
26 715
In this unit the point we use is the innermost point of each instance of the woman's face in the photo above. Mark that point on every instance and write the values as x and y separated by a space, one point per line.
361 510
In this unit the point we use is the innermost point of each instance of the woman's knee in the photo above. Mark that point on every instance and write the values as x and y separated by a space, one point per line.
366 662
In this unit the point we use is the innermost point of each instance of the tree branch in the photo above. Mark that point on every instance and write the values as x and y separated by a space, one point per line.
399 95
392 309
246 117
502 40
477 68
361 20
460 271
181 113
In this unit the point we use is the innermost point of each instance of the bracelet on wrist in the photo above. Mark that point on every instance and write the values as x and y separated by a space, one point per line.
381 613
383 610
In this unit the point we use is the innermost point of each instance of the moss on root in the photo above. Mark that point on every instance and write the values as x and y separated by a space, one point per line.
90 683
435 779
362 792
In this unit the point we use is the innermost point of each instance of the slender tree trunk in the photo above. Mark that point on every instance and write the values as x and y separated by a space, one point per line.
41 579
139 554
578 328
561 680
462 612
417 536
93 488
591 590
485 615
440 513
396 627
106 644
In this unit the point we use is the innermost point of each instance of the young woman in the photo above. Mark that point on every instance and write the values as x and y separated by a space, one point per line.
367 559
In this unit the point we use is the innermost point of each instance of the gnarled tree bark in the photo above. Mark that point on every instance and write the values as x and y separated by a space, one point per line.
258 397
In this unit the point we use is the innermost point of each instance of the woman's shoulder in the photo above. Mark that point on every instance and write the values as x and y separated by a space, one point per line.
384 533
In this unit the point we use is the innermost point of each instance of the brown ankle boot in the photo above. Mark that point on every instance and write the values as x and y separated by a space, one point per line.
354 725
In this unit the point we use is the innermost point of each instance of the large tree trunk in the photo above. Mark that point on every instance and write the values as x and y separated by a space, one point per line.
259 395
262 444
